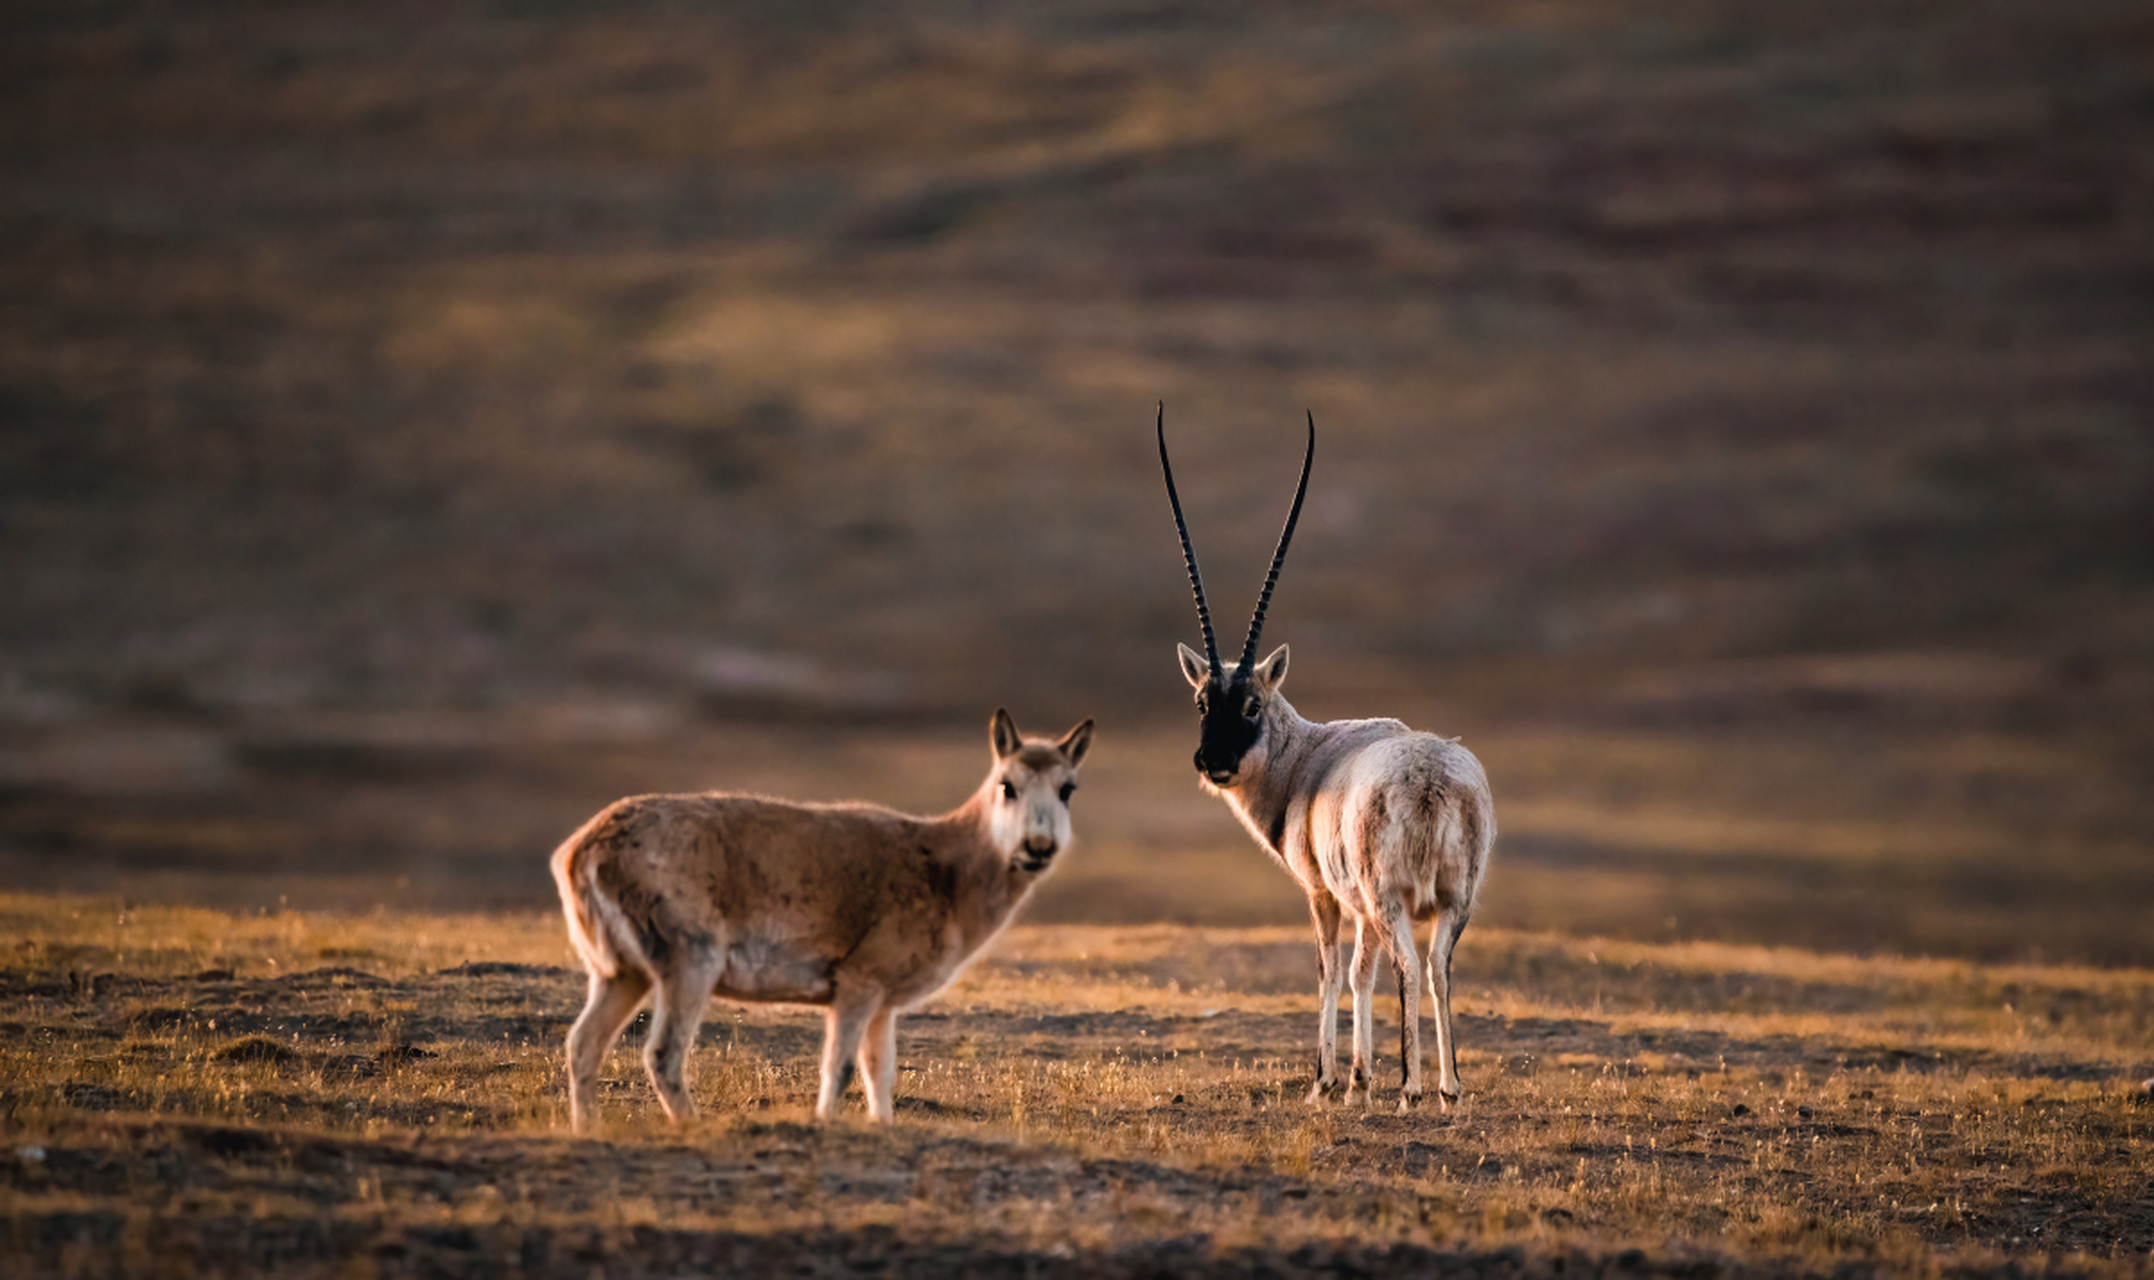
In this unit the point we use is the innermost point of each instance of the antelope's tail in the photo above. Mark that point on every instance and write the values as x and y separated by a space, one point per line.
596 926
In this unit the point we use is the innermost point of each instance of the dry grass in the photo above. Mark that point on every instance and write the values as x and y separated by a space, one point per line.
307 1090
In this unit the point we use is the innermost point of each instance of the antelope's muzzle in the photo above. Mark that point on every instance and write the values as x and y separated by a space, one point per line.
1220 772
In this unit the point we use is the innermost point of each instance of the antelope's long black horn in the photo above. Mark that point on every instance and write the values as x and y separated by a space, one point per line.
1286 535
1189 554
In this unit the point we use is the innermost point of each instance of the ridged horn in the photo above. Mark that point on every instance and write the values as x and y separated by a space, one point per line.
1286 535
1189 554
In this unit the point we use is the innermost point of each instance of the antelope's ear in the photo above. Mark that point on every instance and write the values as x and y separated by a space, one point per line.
1002 733
1273 669
1194 668
1075 743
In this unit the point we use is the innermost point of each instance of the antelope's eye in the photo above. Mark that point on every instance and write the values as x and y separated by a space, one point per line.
1009 792
1250 709
1068 789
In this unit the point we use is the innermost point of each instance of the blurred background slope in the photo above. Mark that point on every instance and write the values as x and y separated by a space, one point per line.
422 423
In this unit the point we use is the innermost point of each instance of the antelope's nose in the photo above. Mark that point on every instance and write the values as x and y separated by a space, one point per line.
1220 774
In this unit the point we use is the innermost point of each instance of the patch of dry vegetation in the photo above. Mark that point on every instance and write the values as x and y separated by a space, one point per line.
308 1091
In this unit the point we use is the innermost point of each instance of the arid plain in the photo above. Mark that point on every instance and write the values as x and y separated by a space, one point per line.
419 427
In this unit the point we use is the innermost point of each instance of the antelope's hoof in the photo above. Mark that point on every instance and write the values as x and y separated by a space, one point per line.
1450 1097
1321 1091
1409 1100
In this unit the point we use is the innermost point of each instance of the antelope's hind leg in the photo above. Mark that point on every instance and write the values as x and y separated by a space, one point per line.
613 1001
1368 953
675 1013
1406 958
1444 939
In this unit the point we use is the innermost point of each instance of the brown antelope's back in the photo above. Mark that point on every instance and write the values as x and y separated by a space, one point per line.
784 890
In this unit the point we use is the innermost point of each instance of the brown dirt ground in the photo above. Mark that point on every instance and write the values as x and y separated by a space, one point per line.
1089 1101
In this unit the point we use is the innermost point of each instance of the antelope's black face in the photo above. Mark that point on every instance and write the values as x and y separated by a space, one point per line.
1231 713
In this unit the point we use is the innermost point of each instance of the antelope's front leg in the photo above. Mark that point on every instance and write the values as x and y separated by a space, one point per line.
843 1025
1330 967
878 1064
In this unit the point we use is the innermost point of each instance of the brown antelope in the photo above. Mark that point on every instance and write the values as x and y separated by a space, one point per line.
856 908
1378 823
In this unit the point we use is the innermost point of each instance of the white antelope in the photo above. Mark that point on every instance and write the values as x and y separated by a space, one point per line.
1378 823
853 907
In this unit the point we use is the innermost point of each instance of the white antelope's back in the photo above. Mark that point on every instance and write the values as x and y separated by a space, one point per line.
1419 814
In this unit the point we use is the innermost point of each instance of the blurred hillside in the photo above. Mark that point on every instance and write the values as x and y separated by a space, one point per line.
1748 379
